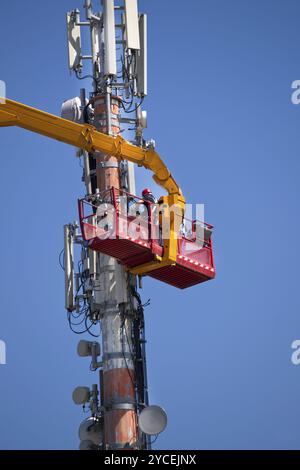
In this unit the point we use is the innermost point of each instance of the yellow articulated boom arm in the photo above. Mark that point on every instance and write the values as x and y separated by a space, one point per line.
85 136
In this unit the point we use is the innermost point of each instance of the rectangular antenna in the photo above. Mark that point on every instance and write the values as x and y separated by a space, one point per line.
110 65
142 83
132 24
69 269
74 42
96 44
2 92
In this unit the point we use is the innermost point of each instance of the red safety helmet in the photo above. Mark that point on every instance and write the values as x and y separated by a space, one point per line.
146 191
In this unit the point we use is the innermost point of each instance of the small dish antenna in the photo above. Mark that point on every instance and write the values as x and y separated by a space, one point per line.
153 420
91 430
81 395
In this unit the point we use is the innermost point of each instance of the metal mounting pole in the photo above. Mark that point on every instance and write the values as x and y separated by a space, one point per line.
114 297
120 415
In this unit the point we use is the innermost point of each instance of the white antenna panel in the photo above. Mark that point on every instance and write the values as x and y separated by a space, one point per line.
110 63
74 42
132 24
142 82
96 41
2 92
69 269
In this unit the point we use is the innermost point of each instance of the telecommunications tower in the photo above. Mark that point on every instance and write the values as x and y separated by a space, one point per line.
101 293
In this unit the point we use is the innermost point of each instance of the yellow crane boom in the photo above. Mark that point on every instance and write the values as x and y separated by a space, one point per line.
85 136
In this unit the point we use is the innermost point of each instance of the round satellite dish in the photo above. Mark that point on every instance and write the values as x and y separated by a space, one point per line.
81 395
91 430
153 420
87 445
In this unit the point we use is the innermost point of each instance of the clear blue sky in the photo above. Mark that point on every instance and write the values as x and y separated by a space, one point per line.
219 108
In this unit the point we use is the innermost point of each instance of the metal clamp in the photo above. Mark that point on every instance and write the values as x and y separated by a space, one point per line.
120 406
123 406
103 116
107 165
116 355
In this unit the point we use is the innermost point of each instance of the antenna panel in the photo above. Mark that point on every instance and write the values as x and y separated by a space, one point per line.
69 270
110 63
2 92
96 41
74 42
142 82
132 24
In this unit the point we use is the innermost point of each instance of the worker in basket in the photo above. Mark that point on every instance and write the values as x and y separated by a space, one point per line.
152 203
148 196
139 207
143 209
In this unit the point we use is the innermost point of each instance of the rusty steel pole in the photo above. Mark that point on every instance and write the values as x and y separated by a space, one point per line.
113 297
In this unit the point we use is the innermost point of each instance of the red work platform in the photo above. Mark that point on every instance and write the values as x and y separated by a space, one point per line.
125 227
193 266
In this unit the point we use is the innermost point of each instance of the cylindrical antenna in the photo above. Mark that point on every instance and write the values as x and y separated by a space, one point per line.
69 269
